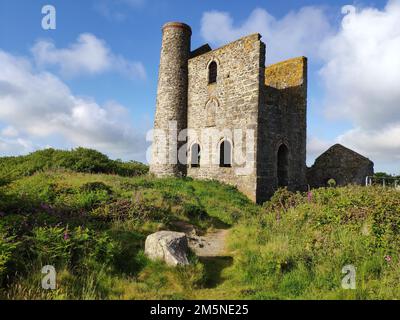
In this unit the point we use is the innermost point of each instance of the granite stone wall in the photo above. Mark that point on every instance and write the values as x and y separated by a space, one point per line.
341 164
282 122
172 96
215 110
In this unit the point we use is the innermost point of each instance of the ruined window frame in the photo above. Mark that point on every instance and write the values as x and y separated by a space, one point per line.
222 154
283 165
212 72
198 155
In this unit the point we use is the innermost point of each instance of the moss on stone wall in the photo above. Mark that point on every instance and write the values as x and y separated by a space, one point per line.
286 74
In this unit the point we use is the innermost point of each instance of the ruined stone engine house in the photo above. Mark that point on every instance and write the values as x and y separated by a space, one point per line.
221 91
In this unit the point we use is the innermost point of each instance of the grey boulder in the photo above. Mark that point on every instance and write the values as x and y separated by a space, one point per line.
168 246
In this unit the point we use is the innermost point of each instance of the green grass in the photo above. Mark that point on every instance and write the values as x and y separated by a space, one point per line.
77 160
92 227
296 249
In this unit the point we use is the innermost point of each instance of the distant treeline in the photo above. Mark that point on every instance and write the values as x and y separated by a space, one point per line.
385 175
78 160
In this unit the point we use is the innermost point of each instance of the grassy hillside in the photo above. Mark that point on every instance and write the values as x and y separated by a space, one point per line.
298 246
92 227
78 160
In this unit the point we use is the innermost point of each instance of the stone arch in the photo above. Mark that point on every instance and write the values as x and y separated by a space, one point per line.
225 151
214 59
213 70
282 172
211 110
195 155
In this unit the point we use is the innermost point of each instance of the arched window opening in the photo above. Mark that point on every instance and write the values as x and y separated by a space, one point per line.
225 154
195 161
212 72
211 109
283 166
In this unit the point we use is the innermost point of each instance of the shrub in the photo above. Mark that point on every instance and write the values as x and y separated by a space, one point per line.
51 245
7 248
283 200
332 183
301 254
96 186
89 247
79 160
77 249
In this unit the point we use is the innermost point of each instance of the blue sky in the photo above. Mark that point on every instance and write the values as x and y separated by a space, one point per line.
67 97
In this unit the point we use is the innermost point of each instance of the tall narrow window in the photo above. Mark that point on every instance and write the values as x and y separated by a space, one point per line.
212 72
225 154
195 163
283 164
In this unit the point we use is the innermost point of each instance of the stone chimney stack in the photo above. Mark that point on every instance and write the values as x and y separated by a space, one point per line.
172 100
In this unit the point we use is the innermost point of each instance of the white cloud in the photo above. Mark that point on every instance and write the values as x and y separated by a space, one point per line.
362 63
40 106
16 146
9 131
359 67
88 55
361 73
316 146
296 34
383 144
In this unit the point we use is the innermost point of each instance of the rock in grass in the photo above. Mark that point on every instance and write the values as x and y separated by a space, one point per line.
168 246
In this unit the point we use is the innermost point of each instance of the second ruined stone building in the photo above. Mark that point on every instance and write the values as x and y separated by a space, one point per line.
243 123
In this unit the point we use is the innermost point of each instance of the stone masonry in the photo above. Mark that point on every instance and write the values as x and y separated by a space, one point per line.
341 164
243 123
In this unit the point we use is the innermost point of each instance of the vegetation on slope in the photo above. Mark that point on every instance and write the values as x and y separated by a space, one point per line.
299 245
92 227
78 160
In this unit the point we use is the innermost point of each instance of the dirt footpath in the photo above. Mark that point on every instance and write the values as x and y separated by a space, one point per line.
211 244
